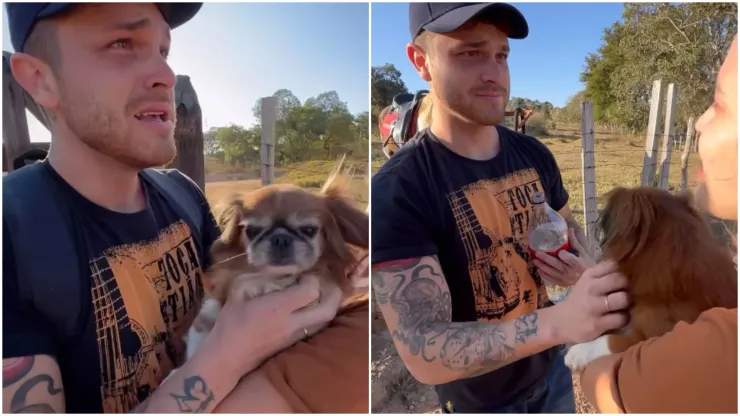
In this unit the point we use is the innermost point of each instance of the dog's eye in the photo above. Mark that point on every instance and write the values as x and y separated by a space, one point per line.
308 230
252 231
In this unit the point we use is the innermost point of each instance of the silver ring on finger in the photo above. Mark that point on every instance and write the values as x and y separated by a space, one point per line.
606 301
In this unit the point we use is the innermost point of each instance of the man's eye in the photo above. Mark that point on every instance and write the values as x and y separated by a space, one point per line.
470 54
121 44
502 56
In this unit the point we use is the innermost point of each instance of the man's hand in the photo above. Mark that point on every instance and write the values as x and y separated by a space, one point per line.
566 269
250 332
597 304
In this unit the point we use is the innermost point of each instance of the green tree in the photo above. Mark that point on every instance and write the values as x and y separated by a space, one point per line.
386 83
681 43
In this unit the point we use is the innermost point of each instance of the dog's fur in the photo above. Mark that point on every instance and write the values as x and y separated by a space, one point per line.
325 233
675 266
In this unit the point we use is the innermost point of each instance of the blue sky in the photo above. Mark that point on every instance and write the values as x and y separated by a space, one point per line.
236 53
545 66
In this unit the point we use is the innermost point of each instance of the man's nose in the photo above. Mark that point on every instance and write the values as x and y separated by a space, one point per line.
161 74
492 72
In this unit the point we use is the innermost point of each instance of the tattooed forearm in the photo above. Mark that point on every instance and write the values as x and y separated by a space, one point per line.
414 290
526 326
19 401
196 396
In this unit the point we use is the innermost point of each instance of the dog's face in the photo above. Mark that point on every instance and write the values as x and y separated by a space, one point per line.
283 230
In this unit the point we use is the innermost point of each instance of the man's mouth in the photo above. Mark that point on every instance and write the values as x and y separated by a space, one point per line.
152 116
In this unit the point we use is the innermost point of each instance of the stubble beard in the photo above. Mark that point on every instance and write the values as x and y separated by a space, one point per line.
111 134
459 102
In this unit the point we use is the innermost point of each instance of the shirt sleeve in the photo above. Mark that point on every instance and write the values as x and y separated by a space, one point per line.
692 369
400 219
327 373
25 331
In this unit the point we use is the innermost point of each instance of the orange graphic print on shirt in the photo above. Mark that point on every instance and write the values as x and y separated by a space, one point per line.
145 296
492 218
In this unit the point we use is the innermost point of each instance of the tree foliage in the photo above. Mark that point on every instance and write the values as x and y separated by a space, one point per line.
320 128
680 43
386 83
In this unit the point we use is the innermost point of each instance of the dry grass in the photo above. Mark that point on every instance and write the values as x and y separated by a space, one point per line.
223 180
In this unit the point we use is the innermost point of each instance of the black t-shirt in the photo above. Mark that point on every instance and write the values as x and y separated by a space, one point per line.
141 289
428 200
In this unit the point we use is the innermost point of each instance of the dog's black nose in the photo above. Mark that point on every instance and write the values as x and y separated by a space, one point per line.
281 241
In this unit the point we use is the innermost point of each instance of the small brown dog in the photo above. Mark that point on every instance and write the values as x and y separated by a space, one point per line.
675 266
276 236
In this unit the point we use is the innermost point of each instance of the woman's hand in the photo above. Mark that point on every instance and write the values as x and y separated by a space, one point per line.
566 269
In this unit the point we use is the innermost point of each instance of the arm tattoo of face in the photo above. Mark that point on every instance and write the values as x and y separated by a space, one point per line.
18 403
196 397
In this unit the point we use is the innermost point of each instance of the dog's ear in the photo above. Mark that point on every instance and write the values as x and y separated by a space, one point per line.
353 224
625 223
230 218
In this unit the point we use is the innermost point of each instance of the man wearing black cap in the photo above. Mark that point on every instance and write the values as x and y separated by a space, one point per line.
451 269
94 318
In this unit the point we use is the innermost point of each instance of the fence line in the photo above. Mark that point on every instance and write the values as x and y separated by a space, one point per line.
650 163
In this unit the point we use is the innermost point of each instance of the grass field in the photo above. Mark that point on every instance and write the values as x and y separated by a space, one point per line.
618 163
223 180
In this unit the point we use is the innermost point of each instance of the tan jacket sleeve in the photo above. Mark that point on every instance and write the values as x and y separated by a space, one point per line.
692 369
329 372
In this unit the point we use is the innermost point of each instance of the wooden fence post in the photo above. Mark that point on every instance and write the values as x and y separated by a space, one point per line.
588 160
668 128
688 145
651 143
189 133
267 150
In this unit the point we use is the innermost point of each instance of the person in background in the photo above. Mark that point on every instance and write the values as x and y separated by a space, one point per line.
693 368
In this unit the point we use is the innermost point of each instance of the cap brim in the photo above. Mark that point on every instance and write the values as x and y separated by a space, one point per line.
175 14
504 16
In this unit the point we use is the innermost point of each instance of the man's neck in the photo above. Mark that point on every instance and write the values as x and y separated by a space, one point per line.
100 179
467 139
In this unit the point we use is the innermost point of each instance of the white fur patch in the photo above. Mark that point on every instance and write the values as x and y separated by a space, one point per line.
579 355
210 308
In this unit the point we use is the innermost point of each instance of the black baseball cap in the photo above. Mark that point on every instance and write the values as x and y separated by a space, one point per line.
23 16
446 17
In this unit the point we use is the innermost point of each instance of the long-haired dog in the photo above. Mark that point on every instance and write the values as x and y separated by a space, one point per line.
675 266
275 236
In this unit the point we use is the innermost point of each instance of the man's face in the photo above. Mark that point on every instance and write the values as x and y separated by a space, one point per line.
469 72
717 128
116 91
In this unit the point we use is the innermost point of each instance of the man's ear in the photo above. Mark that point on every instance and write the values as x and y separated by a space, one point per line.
418 58
37 78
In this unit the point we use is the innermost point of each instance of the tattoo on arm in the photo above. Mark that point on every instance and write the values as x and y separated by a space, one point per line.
424 309
18 403
196 395
16 369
